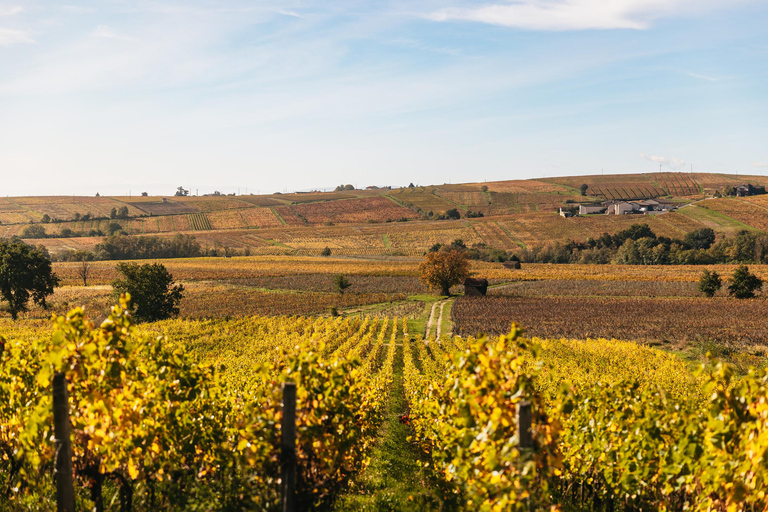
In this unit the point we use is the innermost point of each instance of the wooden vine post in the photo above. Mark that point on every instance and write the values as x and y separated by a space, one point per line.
524 419
288 447
65 490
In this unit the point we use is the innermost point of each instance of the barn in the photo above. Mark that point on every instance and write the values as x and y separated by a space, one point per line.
475 287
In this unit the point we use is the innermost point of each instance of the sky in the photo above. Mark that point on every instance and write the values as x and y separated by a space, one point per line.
123 97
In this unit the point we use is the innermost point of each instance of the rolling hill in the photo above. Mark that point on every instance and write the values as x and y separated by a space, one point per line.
403 221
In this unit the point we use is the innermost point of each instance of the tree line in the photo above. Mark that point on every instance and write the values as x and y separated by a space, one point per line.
639 245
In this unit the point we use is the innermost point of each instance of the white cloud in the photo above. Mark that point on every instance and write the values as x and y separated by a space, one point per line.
669 162
9 37
77 9
575 14
760 164
10 10
290 13
105 32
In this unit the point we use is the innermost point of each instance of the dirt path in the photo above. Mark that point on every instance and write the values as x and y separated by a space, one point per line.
430 321
440 320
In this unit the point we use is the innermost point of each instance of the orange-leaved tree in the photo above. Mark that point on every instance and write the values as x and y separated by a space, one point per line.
445 268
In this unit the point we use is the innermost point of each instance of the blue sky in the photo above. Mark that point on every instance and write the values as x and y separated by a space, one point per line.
119 96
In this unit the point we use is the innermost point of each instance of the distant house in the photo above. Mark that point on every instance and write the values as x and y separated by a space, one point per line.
749 190
512 264
475 287
587 209
565 212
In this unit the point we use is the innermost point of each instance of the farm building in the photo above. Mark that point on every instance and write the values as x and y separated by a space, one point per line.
474 287
749 190
587 209
512 264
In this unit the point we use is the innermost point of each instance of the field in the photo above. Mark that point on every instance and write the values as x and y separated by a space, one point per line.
382 416
516 213
630 374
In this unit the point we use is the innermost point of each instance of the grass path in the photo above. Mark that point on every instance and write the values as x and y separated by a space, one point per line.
395 479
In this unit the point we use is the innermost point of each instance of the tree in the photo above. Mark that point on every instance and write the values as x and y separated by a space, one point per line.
453 213
584 188
144 194
154 296
744 284
341 283
113 213
34 231
84 267
181 191
710 283
700 238
46 219
114 228
444 268
122 213
25 272
326 252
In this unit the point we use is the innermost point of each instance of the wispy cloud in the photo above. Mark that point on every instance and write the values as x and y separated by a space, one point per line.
705 77
77 9
10 37
290 13
573 14
10 10
669 162
105 32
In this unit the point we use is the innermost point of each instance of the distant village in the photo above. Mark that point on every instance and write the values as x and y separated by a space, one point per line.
653 206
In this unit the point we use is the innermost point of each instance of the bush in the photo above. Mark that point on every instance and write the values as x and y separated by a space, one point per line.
153 295
744 284
341 283
710 283
326 252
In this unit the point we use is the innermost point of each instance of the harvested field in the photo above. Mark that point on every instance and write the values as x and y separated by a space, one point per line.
352 211
720 320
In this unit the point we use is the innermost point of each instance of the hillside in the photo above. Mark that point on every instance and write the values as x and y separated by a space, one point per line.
515 213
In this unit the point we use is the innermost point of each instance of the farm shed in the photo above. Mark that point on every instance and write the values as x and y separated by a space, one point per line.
512 264
587 209
475 287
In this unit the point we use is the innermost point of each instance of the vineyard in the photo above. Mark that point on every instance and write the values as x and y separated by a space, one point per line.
719 321
186 415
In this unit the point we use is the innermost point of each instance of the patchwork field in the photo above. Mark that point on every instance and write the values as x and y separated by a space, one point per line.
515 214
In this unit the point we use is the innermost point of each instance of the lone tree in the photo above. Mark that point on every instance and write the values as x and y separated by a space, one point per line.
444 268
744 284
341 283
25 272
583 189
154 296
84 267
710 283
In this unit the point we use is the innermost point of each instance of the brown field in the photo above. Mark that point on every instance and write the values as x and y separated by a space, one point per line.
353 211
719 320
170 207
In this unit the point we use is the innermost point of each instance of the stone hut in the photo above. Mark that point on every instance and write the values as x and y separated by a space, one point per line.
512 264
475 287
